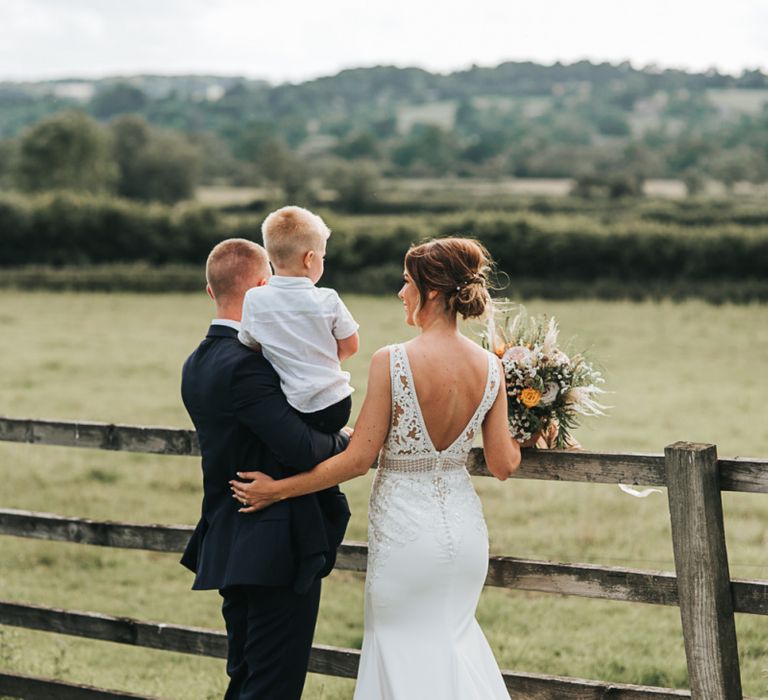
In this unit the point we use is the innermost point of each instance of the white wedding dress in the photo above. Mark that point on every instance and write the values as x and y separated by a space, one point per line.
427 561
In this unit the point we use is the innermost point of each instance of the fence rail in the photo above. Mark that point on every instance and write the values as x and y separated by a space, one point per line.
327 660
17 685
702 587
581 580
736 474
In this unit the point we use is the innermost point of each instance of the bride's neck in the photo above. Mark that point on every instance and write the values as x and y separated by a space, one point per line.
439 324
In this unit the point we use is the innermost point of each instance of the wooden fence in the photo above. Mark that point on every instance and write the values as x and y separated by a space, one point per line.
701 588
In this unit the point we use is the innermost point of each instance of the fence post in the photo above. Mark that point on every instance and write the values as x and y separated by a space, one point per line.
703 579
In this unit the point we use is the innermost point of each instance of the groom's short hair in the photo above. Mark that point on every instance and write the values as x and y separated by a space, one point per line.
290 232
232 266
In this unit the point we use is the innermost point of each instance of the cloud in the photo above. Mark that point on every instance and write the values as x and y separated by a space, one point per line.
296 39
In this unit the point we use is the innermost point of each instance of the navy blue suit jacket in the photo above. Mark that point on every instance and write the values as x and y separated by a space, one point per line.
244 423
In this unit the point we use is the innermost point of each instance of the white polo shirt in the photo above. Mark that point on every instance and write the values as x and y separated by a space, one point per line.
297 325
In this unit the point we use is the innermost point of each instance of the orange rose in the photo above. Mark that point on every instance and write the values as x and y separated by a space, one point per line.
530 397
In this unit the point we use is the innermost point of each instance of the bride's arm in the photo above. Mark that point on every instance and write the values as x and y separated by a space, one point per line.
501 450
370 432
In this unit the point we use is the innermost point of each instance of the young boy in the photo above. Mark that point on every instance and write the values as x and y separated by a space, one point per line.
304 331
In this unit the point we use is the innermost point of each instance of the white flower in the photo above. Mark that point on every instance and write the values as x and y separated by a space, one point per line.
518 354
550 392
575 395
550 339
582 401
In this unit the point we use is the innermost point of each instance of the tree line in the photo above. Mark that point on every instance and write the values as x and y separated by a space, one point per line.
658 250
609 127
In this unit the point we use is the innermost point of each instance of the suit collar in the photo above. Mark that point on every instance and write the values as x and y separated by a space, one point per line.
219 331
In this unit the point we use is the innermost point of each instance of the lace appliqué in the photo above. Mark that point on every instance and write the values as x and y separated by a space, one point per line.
419 490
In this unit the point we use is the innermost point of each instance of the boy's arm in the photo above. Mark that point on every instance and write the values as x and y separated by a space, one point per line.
345 330
244 334
348 346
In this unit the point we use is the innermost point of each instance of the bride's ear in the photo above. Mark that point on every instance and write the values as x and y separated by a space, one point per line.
432 294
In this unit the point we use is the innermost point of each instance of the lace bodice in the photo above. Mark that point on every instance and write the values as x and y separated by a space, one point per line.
408 440
420 491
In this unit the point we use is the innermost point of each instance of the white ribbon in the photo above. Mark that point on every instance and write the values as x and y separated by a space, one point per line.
638 494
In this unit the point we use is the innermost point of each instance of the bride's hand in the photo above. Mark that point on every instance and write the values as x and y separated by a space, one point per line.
256 494
533 440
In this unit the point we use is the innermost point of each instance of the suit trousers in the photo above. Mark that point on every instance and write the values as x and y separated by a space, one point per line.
269 636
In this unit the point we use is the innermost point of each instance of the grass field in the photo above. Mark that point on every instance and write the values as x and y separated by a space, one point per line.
687 371
472 190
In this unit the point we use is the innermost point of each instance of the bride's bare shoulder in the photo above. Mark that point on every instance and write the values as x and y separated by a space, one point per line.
380 362
381 355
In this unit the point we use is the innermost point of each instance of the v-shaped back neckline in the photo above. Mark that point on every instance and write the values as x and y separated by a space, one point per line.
415 397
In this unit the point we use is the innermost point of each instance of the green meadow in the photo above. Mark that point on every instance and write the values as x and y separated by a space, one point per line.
687 371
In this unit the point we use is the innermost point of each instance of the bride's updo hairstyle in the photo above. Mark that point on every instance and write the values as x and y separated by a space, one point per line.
456 268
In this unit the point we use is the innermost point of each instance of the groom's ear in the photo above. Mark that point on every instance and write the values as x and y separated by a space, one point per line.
209 291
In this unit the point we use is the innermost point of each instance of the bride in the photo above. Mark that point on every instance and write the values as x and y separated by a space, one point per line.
428 543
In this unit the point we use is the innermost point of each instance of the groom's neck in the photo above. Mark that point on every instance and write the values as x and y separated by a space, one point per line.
232 311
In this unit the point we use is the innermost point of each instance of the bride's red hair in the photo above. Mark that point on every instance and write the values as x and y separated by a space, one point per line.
456 268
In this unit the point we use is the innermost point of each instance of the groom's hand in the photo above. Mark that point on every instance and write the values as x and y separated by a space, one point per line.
255 492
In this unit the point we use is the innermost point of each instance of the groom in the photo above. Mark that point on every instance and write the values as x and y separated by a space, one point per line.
266 565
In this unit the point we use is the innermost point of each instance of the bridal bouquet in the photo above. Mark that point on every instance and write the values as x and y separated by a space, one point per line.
546 389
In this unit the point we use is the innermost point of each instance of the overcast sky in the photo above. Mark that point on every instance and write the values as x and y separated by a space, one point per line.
295 40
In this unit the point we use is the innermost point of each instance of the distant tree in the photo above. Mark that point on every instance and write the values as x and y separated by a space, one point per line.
131 134
361 144
119 98
280 166
625 184
293 129
384 127
8 148
691 106
218 164
694 181
689 152
753 79
253 137
554 160
481 148
356 186
740 164
154 164
614 185
565 128
67 150
467 115
611 122
428 146
584 185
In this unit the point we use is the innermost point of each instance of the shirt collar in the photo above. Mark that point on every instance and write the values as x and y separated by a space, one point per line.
226 322
290 282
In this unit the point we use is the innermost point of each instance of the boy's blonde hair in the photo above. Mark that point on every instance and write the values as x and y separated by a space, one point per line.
290 232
